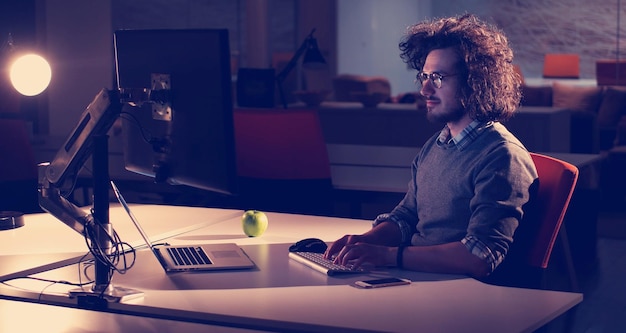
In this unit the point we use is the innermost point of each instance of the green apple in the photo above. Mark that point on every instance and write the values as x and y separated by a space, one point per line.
254 223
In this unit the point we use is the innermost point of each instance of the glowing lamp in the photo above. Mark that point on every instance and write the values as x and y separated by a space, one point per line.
30 74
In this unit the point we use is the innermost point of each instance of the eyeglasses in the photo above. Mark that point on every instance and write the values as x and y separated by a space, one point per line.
434 77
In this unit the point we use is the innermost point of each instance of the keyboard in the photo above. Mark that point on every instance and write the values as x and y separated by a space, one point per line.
186 256
317 262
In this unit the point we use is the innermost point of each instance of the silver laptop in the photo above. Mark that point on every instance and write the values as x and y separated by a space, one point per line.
205 257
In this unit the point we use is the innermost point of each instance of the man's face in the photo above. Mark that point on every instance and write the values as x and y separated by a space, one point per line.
443 103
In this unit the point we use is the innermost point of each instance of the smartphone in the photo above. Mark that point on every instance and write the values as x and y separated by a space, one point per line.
379 283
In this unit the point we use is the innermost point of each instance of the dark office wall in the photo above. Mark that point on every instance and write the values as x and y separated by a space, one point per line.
18 18
586 27
190 14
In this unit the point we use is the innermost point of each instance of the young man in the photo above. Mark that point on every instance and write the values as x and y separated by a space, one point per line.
469 181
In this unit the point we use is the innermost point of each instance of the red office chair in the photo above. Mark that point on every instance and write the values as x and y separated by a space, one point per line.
535 238
282 161
557 180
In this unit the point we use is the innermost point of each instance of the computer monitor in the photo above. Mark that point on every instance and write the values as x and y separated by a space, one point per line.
194 145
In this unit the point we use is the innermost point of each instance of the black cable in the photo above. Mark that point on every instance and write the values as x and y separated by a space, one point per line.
50 281
76 284
145 135
116 260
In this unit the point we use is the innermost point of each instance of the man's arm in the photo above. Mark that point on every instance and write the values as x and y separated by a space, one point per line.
453 258
386 233
448 258
379 246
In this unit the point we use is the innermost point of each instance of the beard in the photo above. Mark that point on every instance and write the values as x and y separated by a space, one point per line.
445 116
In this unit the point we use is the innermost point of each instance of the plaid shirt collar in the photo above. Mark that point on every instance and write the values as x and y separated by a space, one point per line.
463 139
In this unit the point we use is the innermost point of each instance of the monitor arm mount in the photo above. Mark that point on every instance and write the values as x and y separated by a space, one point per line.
89 138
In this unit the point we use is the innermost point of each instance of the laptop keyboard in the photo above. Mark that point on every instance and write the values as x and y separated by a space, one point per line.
187 256
319 263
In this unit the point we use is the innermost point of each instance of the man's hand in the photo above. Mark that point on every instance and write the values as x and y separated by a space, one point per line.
373 246
357 254
339 244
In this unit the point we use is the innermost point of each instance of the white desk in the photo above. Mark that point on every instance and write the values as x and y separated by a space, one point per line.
279 294
16 316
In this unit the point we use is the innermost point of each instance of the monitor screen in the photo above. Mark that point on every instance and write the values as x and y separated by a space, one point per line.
194 143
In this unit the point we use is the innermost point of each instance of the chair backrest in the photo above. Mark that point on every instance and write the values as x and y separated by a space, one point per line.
280 144
566 65
557 180
282 161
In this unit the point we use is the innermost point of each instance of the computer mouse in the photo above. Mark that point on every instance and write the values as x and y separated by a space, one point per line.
309 245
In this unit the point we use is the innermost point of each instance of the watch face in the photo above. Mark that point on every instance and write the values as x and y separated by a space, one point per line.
381 218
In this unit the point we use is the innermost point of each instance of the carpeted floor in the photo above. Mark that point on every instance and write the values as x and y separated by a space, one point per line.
612 224
603 309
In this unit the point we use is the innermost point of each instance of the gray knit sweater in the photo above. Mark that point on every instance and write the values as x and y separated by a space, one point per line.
476 188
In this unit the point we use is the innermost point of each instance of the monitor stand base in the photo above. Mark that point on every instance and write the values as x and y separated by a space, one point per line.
95 298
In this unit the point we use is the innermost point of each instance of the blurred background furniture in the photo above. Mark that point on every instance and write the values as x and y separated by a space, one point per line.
256 87
610 72
398 124
561 65
614 184
282 161
345 85
595 111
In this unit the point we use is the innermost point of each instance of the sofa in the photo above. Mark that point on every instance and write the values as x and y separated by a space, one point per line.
347 86
542 129
595 112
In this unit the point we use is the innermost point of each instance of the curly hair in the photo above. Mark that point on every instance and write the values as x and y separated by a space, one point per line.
492 89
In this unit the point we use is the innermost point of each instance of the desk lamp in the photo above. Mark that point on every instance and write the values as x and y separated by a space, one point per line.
312 59
30 75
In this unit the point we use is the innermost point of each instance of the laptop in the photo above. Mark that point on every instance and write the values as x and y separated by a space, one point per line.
183 258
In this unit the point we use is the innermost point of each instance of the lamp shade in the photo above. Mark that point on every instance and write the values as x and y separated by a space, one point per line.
313 58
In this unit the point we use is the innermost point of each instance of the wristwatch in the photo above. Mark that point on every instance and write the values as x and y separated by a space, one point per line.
381 218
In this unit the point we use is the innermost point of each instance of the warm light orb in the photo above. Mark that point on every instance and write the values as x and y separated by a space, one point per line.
30 74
